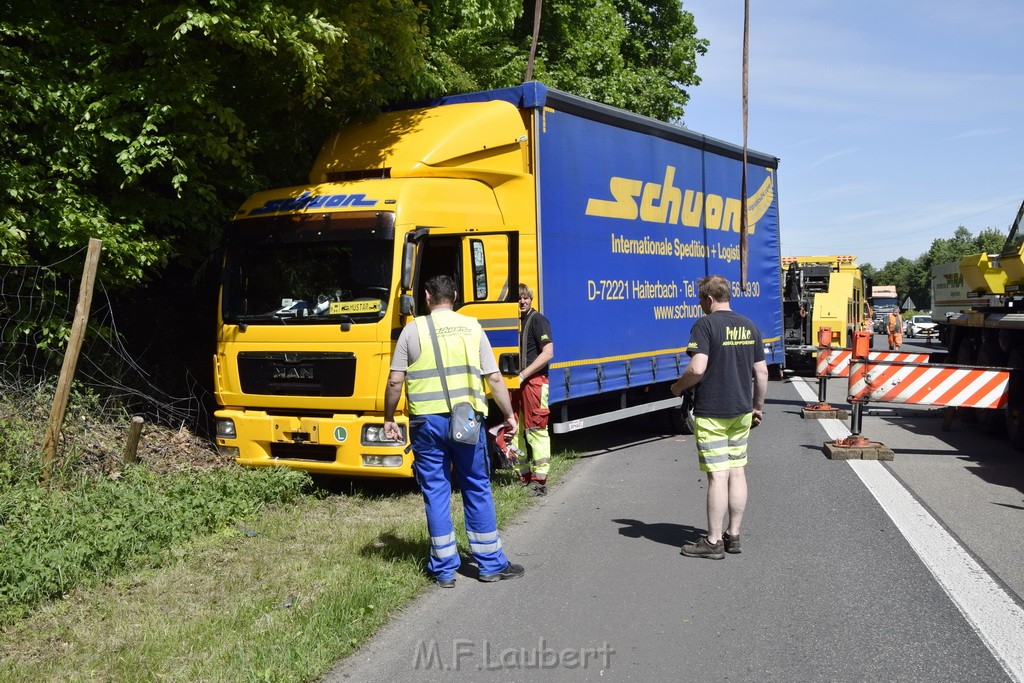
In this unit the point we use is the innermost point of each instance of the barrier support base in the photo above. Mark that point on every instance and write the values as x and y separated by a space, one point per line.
823 411
857 448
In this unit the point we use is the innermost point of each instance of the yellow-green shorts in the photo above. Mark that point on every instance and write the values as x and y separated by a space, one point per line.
721 442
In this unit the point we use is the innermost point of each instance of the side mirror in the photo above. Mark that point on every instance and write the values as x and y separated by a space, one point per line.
408 255
406 304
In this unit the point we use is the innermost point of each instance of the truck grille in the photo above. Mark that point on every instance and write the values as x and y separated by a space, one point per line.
297 374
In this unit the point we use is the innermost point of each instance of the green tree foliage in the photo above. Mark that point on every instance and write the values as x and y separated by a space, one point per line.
636 54
144 124
945 250
990 241
913 278
472 44
901 273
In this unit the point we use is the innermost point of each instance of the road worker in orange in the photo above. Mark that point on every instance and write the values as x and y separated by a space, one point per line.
895 330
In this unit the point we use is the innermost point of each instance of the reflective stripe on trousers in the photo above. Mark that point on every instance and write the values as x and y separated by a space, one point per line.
531 403
721 442
434 457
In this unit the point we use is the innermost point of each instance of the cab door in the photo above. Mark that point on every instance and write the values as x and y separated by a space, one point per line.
491 294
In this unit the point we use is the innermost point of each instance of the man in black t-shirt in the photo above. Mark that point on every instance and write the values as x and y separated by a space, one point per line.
725 353
530 400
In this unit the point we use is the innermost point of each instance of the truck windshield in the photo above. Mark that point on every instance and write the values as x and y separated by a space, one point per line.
309 268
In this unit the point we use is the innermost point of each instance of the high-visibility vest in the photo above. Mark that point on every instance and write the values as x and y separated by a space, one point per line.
459 339
894 323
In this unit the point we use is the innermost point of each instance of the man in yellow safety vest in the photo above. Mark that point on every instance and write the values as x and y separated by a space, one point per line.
467 358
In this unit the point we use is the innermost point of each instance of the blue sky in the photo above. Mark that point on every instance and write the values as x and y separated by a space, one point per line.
894 122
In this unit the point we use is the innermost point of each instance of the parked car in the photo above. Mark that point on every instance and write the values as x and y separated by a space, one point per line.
921 326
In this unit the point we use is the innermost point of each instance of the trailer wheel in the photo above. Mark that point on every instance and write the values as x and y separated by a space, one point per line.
965 356
1015 416
681 419
992 421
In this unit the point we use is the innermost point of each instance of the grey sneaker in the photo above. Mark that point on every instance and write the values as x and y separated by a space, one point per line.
511 571
712 551
732 543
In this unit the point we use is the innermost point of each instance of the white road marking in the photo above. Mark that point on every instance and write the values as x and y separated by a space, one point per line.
994 615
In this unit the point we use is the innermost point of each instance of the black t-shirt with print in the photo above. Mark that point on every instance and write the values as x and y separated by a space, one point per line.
535 334
732 344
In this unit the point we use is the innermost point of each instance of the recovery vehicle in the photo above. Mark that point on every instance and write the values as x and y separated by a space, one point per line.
820 292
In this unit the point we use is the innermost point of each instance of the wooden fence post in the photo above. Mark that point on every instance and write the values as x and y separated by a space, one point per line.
67 370
131 447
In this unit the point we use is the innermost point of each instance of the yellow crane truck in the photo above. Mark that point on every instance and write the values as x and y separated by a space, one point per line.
820 292
978 306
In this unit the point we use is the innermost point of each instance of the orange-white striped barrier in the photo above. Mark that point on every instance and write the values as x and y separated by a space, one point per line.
931 385
836 362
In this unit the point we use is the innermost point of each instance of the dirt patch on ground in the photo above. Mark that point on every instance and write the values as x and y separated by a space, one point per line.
102 448
96 440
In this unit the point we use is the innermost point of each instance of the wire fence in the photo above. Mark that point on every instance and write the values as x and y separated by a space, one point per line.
37 310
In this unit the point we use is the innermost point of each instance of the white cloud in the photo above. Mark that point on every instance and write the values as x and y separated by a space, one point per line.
831 156
832 193
979 132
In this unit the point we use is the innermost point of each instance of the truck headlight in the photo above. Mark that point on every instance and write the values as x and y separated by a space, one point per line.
382 461
226 428
373 435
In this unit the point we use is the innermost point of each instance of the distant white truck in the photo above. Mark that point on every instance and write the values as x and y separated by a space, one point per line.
883 302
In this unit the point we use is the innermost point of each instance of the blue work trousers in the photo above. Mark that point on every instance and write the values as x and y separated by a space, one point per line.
435 458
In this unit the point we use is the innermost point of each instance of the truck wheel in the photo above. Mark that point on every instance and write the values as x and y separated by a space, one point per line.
965 356
992 421
1015 416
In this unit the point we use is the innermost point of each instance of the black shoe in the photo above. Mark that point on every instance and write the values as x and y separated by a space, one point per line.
702 548
538 489
446 583
732 543
511 571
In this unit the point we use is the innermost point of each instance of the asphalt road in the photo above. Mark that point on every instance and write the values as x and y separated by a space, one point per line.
851 571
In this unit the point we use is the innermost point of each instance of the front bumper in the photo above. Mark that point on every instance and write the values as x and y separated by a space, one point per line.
321 444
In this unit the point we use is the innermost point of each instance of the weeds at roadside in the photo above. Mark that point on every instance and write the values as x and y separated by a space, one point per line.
92 522
283 595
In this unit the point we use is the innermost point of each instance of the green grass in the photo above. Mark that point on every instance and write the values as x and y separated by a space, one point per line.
280 595
53 540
